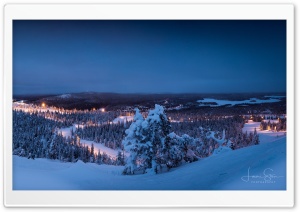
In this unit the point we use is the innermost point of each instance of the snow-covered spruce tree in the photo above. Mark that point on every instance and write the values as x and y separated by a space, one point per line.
133 142
120 159
156 130
53 150
171 151
255 139
221 143
180 150
145 141
186 145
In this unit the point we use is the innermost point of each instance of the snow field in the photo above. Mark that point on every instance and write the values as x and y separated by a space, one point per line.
264 135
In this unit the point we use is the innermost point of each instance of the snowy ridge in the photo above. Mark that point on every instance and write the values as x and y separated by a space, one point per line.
64 96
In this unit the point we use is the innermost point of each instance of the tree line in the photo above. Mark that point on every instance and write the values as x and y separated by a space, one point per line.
37 137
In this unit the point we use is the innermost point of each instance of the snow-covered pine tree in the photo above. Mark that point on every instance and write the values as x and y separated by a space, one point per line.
255 139
120 159
99 157
53 150
172 151
133 142
92 158
186 145
156 130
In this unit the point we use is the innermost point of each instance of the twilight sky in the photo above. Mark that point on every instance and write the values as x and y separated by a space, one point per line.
149 56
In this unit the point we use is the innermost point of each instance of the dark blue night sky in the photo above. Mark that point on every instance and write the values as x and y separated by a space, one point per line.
149 56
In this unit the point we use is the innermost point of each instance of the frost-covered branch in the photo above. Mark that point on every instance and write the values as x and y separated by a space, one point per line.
220 141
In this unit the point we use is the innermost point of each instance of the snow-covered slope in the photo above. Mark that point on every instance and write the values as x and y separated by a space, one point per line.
264 135
66 132
101 147
122 119
64 96
260 167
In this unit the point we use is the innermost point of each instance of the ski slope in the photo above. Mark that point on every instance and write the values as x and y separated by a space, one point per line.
66 132
122 119
264 135
260 167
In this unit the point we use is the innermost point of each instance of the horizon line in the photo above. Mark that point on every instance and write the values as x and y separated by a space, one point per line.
145 93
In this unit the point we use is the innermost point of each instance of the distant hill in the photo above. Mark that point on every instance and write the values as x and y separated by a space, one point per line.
115 101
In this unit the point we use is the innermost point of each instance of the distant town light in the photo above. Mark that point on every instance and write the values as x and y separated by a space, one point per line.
43 104
102 109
